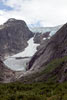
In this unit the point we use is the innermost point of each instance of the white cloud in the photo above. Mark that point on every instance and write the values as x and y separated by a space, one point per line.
47 12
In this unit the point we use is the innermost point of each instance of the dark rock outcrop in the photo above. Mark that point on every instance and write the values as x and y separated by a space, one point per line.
39 37
14 35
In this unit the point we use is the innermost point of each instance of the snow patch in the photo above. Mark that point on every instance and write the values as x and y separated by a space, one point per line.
49 37
44 38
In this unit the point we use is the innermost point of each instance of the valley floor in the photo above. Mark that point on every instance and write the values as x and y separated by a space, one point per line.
34 91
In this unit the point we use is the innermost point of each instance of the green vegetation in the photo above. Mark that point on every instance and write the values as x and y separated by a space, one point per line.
54 64
35 91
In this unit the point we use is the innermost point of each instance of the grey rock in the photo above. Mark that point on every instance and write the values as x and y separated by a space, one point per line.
14 35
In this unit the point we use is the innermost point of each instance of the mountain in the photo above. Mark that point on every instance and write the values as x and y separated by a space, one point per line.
50 61
46 70
14 35
19 61
30 54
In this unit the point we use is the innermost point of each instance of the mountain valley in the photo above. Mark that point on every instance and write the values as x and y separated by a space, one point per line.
33 62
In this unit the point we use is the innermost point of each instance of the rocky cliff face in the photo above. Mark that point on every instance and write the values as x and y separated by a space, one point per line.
6 75
14 35
39 37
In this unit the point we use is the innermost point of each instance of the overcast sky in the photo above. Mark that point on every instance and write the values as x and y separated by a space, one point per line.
35 12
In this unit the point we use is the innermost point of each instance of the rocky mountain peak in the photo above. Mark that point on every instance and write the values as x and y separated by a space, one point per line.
14 36
11 19
15 22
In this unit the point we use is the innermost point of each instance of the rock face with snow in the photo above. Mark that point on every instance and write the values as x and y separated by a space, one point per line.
43 33
39 37
50 61
56 47
14 35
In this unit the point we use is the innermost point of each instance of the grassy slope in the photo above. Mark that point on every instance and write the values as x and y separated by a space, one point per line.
35 91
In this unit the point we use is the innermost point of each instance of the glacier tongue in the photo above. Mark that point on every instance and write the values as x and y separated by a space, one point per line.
30 50
19 61
16 64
